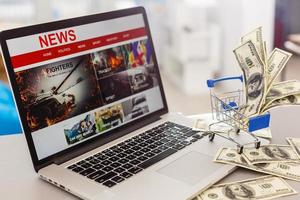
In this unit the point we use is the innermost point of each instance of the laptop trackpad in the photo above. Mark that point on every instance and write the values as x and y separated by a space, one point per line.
190 168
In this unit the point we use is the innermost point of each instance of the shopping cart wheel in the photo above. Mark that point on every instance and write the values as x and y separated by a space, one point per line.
240 149
211 136
257 144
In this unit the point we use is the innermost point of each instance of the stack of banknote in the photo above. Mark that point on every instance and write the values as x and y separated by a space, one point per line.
260 72
277 161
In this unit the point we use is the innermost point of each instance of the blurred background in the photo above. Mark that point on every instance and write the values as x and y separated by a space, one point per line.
193 39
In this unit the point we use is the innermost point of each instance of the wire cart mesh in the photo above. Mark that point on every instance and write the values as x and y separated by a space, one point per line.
225 108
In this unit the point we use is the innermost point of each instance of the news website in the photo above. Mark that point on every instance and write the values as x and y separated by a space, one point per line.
80 82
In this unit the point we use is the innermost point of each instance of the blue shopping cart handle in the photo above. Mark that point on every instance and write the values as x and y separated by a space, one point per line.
211 82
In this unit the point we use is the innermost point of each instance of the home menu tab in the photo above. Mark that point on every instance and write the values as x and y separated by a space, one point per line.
80 82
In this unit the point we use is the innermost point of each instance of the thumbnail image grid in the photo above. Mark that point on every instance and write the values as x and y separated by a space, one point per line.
124 70
106 119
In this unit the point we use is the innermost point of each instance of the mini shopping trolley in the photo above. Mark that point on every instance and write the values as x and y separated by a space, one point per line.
225 109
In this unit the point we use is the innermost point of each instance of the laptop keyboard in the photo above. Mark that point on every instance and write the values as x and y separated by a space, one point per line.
120 162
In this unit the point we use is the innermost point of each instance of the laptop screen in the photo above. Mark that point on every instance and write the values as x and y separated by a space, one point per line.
80 82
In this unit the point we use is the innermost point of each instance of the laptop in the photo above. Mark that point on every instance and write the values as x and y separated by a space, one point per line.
93 110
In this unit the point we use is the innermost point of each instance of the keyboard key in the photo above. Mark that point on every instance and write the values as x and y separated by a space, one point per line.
129 151
135 162
110 154
143 144
156 151
115 165
158 143
157 158
178 146
197 136
119 170
106 151
136 148
132 143
149 154
163 148
101 157
81 162
126 174
150 141
117 179
135 170
117 151
96 174
98 166
107 168
109 183
142 158
165 140
106 162
190 133
94 161
86 165
121 155
185 143
77 169
123 161
127 166
89 158
138 153
152 146
145 150
131 157
114 159
72 166
105 177
170 144
87 171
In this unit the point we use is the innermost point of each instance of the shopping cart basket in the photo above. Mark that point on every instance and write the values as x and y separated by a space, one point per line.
225 108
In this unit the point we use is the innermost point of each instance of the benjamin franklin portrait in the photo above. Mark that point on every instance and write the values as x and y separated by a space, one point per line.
275 152
255 85
238 192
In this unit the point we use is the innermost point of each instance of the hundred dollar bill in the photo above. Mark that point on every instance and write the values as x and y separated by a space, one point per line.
262 188
255 37
270 153
253 71
289 170
284 101
276 63
295 143
280 90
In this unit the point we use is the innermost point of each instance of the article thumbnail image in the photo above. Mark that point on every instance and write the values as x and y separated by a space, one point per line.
135 107
109 61
115 87
57 91
140 53
81 130
142 78
109 117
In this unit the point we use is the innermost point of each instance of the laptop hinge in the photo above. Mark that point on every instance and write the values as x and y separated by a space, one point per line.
95 144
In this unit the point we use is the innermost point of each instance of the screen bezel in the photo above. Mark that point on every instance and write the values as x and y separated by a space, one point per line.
95 141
